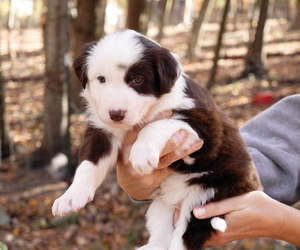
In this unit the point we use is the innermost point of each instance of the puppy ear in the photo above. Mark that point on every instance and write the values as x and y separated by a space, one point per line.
80 66
167 69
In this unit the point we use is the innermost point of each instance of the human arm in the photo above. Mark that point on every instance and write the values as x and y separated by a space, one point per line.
251 215
273 141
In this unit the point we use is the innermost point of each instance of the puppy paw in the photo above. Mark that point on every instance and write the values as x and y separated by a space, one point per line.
144 158
218 224
71 201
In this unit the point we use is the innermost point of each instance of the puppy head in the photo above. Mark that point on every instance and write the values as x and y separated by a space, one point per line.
124 75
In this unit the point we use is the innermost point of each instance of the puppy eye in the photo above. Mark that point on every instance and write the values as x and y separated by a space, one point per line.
101 79
138 80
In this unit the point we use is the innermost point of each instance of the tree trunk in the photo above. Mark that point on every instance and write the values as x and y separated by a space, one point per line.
196 30
55 75
134 10
146 17
100 16
10 26
296 24
164 17
287 10
254 62
84 31
218 46
4 140
161 19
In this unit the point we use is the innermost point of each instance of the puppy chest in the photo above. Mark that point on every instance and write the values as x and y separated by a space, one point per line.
175 190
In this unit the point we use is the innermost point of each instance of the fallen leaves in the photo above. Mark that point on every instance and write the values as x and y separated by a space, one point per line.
111 221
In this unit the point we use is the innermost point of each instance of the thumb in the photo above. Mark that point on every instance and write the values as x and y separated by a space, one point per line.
214 209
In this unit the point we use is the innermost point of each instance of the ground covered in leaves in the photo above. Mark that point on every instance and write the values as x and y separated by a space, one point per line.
112 221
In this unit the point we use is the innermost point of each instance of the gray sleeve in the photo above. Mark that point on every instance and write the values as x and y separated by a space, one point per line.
273 140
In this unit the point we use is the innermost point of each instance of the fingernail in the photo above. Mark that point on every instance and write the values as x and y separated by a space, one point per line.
182 134
199 212
198 144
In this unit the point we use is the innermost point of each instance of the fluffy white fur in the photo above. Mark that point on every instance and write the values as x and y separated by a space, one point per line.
115 94
87 179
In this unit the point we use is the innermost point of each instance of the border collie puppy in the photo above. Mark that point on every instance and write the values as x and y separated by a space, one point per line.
127 80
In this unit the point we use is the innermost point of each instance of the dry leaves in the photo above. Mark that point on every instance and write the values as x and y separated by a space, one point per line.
111 221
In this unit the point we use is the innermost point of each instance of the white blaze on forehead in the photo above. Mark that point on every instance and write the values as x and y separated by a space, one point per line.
117 50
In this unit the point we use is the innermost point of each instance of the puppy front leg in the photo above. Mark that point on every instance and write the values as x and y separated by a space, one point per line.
160 225
97 155
145 152
87 179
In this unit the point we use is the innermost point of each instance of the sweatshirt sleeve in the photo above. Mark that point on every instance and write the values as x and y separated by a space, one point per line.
273 140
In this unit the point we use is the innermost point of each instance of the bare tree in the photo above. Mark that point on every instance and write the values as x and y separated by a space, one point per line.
196 30
100 18
56 47
164 17
146 16
4 140
134 11
10 25
287 9
218 46
296 24
254 61
84 31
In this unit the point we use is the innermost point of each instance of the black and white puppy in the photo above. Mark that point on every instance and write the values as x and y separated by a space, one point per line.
128 79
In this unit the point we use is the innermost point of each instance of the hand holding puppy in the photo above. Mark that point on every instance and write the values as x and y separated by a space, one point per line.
141 187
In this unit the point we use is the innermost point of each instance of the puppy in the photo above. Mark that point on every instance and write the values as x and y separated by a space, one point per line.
127 80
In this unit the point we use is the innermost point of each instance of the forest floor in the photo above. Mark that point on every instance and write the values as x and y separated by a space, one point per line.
112 221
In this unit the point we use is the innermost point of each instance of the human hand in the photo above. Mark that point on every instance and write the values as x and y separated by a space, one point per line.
252 215
139 186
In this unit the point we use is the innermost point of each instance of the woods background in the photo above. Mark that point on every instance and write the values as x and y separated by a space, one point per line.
247 53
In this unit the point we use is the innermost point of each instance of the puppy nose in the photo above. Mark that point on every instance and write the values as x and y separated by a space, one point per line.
117 115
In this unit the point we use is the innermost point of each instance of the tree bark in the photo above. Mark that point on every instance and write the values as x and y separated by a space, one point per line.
218 46
84 31
134 10
56 35
161 19
146 17
296 24
10 26
100 18
254 62
196 30
4 139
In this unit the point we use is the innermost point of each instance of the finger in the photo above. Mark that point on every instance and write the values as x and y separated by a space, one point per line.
213 209
174 142
171 157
